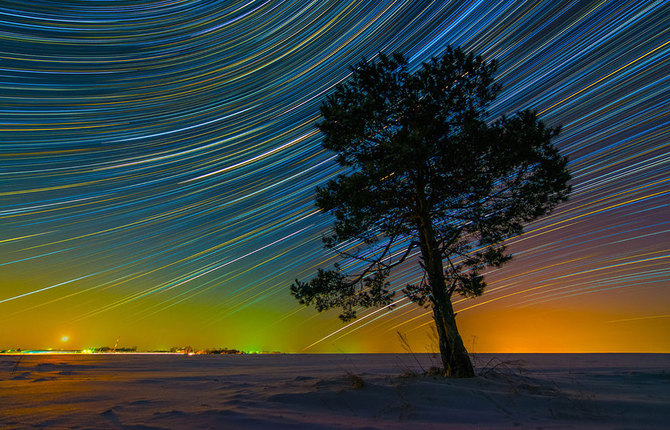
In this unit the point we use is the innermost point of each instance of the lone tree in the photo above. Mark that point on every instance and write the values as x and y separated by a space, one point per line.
427 178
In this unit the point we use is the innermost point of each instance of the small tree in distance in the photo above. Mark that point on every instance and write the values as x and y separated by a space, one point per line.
427 179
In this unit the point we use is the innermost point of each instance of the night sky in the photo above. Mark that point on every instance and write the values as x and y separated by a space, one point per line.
158 162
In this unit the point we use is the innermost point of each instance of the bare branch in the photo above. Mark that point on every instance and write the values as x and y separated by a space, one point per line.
410 247
452 288
369 260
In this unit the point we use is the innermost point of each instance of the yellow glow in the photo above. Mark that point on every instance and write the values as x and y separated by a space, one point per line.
64 339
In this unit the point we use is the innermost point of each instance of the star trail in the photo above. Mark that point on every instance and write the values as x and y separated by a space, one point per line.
158 162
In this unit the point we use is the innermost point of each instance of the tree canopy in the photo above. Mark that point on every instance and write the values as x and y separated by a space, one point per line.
428 177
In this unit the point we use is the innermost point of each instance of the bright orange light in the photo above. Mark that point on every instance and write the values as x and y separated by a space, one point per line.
64 339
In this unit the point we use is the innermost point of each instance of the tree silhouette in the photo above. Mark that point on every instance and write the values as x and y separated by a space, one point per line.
427 178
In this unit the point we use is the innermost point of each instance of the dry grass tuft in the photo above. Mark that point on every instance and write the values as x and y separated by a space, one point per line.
434 371
356 381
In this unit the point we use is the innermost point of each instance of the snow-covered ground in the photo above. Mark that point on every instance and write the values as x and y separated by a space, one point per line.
549 391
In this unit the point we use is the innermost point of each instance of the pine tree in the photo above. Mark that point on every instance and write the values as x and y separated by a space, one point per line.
427 178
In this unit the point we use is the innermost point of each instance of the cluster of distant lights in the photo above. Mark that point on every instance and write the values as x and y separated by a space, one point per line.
89 351
106 351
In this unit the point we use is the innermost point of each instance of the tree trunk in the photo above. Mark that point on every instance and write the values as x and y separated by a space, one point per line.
455 358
